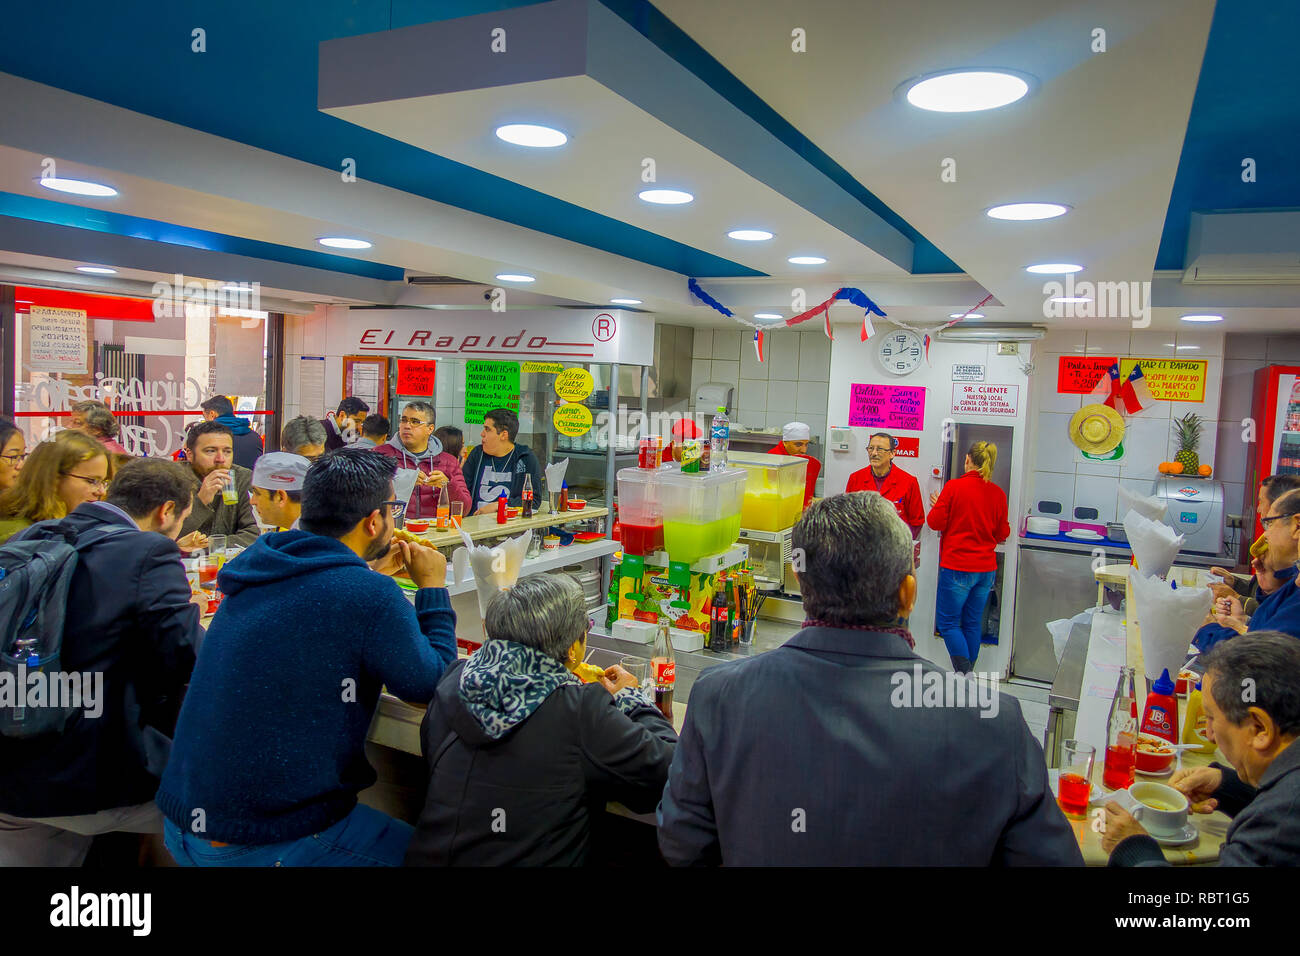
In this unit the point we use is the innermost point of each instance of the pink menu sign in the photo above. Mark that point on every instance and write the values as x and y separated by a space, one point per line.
887 406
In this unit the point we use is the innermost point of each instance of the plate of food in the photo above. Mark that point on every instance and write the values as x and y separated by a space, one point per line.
1154 756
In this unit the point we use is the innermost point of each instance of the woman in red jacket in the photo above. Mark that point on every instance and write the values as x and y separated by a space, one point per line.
971 518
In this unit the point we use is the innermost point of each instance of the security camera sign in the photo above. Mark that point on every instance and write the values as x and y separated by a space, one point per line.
985 399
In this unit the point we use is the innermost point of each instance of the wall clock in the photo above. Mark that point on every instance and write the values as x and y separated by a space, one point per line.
900 352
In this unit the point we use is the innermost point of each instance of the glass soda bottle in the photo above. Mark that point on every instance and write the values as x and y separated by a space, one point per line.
663 670
1121 734
528 496
444 509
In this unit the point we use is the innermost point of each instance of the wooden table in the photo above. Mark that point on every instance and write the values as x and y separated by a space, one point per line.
485 526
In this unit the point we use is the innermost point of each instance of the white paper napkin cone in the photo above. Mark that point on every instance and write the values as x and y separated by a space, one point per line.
404 484
1154 544
555 473
494 569
1147 507
1167 620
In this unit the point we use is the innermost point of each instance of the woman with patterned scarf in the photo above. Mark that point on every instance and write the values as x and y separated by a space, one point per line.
522 755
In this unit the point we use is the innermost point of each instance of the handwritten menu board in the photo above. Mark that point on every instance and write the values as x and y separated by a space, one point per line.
415 376
1076 375
1170 380
490 385
58 340
887 406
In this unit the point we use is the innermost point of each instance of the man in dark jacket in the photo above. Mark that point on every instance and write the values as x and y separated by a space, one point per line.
247 443
132 625
270 747
844 747
1257 734
498 464
345 426
522 755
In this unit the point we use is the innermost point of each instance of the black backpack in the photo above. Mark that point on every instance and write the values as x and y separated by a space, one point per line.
35 575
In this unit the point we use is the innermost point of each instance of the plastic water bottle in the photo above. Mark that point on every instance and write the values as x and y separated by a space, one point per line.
719 432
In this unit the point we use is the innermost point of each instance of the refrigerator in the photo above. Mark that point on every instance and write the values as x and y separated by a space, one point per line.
1275 408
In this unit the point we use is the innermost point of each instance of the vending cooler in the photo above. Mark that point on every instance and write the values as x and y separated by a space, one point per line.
1275 407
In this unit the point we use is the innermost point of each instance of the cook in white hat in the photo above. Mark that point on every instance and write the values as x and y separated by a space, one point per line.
795 437
277 488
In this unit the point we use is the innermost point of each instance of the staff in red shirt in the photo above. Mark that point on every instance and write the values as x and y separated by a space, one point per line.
795 437
970 515
893 483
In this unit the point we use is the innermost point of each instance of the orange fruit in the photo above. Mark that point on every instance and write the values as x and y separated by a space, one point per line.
1205 471
1175 467
1163 468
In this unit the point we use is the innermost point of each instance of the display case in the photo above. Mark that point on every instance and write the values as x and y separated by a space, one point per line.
701 511
774 489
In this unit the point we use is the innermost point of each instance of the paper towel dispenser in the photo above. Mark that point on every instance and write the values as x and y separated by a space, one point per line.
712 394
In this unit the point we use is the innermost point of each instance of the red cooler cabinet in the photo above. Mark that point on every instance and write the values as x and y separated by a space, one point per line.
1275 406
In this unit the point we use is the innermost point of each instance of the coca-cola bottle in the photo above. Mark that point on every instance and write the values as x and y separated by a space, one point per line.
719 625
528 496
1121 734
663 670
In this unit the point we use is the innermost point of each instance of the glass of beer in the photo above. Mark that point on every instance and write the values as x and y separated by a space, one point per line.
1075 782
228 493
217 549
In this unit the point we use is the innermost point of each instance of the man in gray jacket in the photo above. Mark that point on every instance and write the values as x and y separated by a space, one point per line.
210 453
844 747
1251 694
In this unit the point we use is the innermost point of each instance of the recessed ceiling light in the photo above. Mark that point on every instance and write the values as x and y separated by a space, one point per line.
963 315
526 134
767 315
665 197
806 261
1026 211
1201 318
342 242
967 91
1053 268
1181 347
97 270
1071 298
79 187
750 235
515 277
625 301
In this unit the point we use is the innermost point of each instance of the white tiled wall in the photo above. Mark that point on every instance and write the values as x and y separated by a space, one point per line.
791 383
1060 473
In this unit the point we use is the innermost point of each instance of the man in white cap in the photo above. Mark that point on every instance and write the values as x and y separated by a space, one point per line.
795 437
277 488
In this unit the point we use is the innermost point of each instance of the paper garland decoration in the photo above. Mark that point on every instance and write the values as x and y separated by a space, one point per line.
758 344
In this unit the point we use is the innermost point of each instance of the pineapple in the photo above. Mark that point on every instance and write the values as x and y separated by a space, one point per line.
1189 438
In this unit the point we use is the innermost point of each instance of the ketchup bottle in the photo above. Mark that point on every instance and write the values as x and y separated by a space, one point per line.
1160 716
501 509
564 496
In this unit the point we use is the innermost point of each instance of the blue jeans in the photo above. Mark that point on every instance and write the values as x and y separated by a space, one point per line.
365 837
959 612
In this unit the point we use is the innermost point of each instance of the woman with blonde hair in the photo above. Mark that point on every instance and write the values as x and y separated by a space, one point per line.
970 515
58 476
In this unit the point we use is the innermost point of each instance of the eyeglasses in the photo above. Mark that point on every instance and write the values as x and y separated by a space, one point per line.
879 449
414 421
15 459
1265 522
100 483
399 507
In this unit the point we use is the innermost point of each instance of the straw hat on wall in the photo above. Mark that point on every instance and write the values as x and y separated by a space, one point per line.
1096 429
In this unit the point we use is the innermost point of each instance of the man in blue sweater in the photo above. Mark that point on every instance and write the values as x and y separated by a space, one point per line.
1280 611
269 753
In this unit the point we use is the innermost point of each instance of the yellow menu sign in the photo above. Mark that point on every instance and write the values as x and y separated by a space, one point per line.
544 368
1170 380
572 419
574 384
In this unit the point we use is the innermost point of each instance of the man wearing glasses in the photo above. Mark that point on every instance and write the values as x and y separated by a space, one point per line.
416 447
269 753
900 488
1280 611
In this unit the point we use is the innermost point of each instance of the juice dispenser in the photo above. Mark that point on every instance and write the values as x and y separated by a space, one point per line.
640 511
701 512
774 490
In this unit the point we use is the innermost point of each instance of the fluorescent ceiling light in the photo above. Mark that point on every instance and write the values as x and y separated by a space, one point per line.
750 235
963 315
966 91
767 315
342 242
515 277
242 313
78 187
665 197
1024 333
1053 268
97 270
526 134
625 301
1201 318
1181 347
1026 211
806 261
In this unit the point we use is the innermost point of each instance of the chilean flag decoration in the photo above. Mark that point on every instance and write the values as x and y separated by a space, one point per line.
758 344
1106 391
1133 392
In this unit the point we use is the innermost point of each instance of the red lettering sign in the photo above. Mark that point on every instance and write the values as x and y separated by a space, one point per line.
908 448
604 327
415 376
1077 375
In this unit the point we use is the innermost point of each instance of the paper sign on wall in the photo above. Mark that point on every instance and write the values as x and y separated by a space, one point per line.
907 448
985 399
490 385
415 376
1170 380
887 406
968 373
58 340
1076 375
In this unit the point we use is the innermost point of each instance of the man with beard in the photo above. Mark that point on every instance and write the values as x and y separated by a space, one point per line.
210 454
270 746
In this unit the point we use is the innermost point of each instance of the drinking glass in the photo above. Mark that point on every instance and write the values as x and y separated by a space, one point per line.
217 549
638 667
457 512
1075 782
229 494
